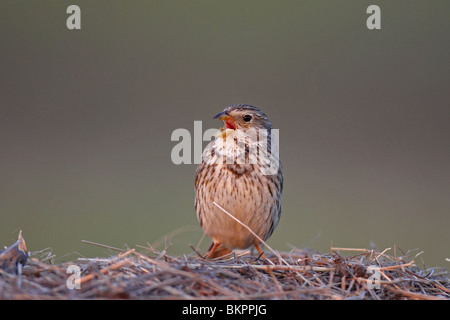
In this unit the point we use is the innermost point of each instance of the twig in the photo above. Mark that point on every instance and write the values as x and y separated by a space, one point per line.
253 233
281 268
349 249
414 295
102 245
409 264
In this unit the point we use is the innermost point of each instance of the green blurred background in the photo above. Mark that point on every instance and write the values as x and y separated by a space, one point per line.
86 119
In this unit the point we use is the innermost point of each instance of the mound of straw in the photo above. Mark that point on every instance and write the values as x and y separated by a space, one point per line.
146 273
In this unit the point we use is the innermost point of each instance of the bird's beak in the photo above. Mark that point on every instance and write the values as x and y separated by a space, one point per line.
220 115
227 120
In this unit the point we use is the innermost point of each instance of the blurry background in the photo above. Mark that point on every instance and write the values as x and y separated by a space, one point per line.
86 119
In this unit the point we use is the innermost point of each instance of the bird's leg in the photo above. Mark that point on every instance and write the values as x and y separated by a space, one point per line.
216 250
213 248
261 253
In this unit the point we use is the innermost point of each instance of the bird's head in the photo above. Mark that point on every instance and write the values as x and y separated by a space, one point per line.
242 117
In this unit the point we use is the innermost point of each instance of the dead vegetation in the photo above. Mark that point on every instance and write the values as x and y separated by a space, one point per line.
145 273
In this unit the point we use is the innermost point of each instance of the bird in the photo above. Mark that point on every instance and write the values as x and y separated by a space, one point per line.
240 175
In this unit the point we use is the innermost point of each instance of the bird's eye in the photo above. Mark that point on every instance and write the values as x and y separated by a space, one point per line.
247 118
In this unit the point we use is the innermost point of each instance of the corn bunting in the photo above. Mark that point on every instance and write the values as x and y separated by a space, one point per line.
241 174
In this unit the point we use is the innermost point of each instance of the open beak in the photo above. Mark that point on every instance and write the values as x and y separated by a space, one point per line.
227 120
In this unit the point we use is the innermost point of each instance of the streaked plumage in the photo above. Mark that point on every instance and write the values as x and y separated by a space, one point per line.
241 174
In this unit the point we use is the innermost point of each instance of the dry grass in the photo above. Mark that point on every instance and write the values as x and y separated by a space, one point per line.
145 273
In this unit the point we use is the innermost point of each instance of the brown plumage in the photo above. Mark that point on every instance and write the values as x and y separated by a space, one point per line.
241 172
